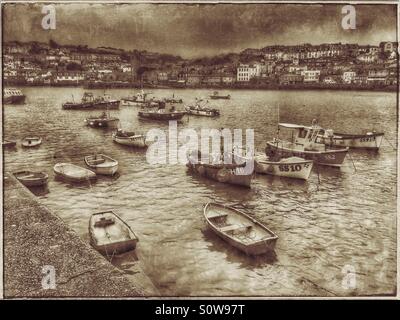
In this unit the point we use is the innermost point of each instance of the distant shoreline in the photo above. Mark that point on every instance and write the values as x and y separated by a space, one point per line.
321 87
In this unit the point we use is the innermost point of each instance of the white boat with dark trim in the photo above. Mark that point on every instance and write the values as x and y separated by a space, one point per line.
111 235
102 164
292 167
73 173
30 142
13 96
369 140
129 138
239 229
304 145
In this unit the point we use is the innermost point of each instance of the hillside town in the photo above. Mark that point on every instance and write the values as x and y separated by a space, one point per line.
336 65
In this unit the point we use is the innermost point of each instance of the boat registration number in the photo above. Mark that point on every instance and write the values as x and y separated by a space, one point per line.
367 139
289 167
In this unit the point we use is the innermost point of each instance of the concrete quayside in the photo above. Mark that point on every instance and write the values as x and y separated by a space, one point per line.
43 257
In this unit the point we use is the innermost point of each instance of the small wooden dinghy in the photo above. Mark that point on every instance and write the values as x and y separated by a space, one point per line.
31 178
73 173
9 143
102 164
110 235
129 138
292 167
31 141
239 229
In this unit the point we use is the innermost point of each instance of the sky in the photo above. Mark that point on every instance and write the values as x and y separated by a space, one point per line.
198 30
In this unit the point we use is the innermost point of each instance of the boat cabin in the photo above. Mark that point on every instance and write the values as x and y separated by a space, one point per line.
305 136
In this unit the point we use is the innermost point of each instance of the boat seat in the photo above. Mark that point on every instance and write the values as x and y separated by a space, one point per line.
218 216
104 222
96 161
235 227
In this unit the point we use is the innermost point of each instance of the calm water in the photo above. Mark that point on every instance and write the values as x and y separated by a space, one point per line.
348 218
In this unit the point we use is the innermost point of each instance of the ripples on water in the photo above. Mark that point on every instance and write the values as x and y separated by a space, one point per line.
349 218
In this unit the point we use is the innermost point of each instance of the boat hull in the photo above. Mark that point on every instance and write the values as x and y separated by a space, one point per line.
102 123
253 237
161 116
292 169
36 179
9 144
109 167
222 175
92 105
368 141
332 158
73 173
14 99
220 97
134 141
202 113
111 239
30 143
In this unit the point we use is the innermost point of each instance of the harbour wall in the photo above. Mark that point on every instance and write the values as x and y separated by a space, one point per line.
43 257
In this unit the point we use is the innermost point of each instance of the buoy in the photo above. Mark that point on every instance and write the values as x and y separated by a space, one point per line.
201 170
223 175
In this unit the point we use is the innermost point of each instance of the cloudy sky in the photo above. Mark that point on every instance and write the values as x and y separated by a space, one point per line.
198 30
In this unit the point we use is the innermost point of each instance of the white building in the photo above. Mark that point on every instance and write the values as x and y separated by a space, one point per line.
311 75
348 76
246 72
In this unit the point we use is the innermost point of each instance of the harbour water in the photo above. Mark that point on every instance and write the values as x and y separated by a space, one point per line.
339 221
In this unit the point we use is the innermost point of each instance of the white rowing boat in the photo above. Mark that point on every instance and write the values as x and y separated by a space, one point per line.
102 164
73 173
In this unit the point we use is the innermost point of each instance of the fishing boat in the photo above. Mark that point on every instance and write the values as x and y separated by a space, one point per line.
239 229
102 121
73 173
102 164
31 178
139 99
172 100
201 110
111 235
304 145
369 140
292 167
216 96
129 138
161 114
9 143
90 102
217 170
31 142
13 96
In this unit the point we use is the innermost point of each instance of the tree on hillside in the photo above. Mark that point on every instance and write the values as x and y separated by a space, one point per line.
73 66
53 44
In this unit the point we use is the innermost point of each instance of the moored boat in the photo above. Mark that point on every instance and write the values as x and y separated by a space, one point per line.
198 110
239 229
292 167
219 171
102 164
90 102
139 99
111 235
31 178
304 145
8 143
73 173
102 121
369 140
13 96
31 142
216 96
129 138
161 114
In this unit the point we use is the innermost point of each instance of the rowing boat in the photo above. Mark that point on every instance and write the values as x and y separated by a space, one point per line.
31 142
111 235
102 164
31 178
129 138
239 229
73 173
